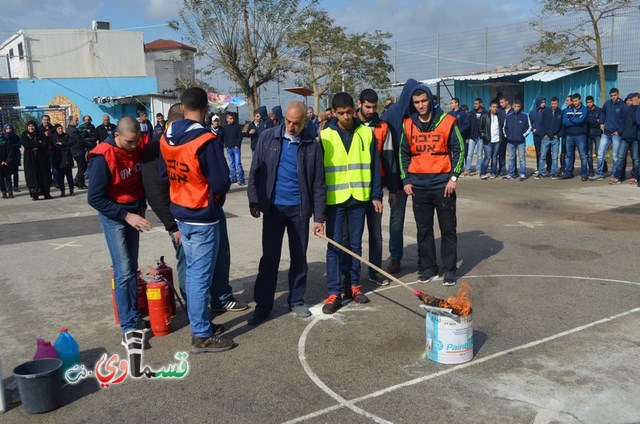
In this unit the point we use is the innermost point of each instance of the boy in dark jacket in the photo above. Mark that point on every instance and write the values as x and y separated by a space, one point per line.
233 142
574 121
535 117
549 131
594 133
629 141
516 129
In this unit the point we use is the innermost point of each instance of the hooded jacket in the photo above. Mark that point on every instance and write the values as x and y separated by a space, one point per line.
551 126
310 168
462 117
612 116
212 164
629 124
535 117
455 144
594 121
277 111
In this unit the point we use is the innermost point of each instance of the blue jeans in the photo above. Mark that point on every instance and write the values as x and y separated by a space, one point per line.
625 146
396 226
123 241
490 154
354 212
200 243
522 149
605 141
274 223
547 144
579 141
220 290
475 146
235 165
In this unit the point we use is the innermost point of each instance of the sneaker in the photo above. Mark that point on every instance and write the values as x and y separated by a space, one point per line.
596 178
379 279
523 177
449 281
242 183
584 178
210 344
492 176
484 176
426 278
464 174
535 173
331 304
232 305
135 340
631 181
394 266
358 296
537 177
507 177
566 176
257 317
591 174
554 176
546 174
614 180
301 311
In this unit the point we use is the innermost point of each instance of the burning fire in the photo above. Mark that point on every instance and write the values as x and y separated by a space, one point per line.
459 304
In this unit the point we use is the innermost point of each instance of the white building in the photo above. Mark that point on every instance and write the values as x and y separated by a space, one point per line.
73 53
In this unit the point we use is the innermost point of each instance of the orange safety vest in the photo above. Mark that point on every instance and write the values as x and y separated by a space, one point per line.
429 149
188 186
381 135
126 172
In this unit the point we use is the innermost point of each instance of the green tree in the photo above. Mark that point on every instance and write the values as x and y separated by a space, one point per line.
331 60
246 39
584 38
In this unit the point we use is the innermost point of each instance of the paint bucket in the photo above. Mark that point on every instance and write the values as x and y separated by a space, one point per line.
449 336
39 384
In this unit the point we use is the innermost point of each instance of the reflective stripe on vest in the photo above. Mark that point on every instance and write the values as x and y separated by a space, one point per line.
381 136
188 185
347 174
429 149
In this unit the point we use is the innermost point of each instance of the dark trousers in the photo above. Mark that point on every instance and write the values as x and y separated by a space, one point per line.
424 204
16 176
81 161
5 179
274 223
64 172
502 157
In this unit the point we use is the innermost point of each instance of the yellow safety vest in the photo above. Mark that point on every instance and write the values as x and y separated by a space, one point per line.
347 174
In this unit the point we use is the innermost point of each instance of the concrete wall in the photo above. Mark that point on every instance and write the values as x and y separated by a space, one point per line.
77 53
169 65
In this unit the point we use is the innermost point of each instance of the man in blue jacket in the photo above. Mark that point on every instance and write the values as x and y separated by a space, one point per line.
611 128
629 141
594 134
516 129
286 186
549 130
535 117
574 119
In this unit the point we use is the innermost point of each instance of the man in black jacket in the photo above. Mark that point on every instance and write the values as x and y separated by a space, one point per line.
78 149
286 184
106 129
550 132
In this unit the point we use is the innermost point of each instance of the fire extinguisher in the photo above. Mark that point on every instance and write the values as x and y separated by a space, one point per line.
167 273
159 310
141 301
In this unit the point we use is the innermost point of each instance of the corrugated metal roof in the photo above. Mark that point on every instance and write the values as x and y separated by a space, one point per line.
478 77
548 76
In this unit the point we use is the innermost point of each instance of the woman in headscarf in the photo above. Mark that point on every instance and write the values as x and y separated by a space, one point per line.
62 158
36 163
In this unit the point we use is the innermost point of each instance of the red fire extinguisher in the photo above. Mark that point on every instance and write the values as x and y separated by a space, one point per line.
167 273
159 310
141 302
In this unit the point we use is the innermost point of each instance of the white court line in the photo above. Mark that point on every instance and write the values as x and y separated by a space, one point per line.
343 403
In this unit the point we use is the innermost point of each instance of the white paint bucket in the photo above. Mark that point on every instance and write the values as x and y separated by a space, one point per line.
449 336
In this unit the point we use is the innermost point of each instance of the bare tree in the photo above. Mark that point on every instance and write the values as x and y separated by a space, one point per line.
246 39
584 38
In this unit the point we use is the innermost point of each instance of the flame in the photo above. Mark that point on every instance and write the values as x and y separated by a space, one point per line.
461 303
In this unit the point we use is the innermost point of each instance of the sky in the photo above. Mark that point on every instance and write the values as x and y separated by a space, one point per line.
402 18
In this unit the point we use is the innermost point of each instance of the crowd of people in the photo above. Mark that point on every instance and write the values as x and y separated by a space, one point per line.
499 133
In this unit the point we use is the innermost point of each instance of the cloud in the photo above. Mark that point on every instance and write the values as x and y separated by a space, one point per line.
161 9
36 14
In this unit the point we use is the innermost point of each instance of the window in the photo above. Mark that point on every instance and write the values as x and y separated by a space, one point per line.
20 51
11 54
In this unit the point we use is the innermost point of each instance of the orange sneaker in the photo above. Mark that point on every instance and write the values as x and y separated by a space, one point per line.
358 296
331 304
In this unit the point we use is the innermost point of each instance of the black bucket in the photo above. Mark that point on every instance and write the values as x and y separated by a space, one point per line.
39 384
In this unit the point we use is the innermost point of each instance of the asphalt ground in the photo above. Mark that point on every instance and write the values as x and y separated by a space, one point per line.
553 266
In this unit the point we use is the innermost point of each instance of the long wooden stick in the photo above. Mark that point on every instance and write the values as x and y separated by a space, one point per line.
363 260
